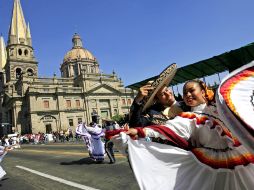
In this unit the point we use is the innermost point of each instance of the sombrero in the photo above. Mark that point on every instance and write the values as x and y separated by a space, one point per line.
164 78
235 102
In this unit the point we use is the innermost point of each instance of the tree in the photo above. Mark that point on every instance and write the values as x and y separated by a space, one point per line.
118 118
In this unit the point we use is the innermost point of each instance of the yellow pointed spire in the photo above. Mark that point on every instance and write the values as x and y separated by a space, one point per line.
28 33
18 29
3 54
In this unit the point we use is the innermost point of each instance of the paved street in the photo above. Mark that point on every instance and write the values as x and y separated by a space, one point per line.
63 166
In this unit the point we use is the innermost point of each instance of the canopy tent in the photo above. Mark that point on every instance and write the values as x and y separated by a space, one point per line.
227 61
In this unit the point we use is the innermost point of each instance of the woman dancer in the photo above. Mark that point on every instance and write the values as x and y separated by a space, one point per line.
202 152
92 139
3 152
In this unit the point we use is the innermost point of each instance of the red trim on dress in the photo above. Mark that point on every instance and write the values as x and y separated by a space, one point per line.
200 120
171 136
110 134
226 89
206 155
229 161
141 132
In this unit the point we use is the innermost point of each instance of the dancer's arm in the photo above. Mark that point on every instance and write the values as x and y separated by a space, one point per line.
95 130
4 149
144 132
137 118
182 127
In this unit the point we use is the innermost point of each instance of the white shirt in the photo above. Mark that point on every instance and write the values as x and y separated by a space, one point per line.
172 111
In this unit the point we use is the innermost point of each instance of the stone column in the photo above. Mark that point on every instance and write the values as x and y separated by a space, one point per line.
69 71
120 111
14 118
18 119
111 107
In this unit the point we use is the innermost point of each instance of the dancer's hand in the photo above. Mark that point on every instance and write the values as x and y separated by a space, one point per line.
126 126
132 132
143 91
7 148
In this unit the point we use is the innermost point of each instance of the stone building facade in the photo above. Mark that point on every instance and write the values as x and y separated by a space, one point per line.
30 103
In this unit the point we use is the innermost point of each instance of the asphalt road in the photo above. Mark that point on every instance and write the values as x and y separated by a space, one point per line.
63 166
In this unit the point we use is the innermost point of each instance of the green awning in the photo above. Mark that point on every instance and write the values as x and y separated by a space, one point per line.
227 61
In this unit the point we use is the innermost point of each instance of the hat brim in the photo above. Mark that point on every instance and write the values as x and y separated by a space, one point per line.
164 78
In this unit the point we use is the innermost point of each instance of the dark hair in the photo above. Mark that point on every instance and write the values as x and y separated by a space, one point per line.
209 93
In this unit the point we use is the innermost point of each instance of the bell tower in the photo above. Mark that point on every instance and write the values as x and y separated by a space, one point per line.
20 53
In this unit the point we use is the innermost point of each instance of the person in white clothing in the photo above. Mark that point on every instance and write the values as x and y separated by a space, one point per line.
92 139
3 152
200 152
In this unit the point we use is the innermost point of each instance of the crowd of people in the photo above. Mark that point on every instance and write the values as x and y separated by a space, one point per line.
39 138
52 137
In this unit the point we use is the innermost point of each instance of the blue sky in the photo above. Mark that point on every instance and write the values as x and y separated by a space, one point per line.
136 38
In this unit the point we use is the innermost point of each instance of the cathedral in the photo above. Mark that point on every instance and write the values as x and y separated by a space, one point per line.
31 104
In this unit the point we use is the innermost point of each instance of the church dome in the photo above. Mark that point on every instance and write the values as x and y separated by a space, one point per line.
78 52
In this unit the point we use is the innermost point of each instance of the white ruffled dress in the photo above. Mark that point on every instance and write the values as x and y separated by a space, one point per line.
2 154
215 159
205 155
92 139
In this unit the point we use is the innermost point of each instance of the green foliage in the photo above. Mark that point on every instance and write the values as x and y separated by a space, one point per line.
118 118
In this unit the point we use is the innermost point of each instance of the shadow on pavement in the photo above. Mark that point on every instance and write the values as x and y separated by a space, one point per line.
6 178
82 161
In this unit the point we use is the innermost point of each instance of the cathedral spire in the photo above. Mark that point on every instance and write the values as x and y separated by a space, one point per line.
18 28
28 35
20 53
3 55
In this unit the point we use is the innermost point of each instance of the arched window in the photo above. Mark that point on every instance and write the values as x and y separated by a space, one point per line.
30 72
76 70
20 52
18 73
115 112
66 72
26 52
123 102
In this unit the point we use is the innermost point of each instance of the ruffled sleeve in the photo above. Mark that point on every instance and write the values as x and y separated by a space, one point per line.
181 127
